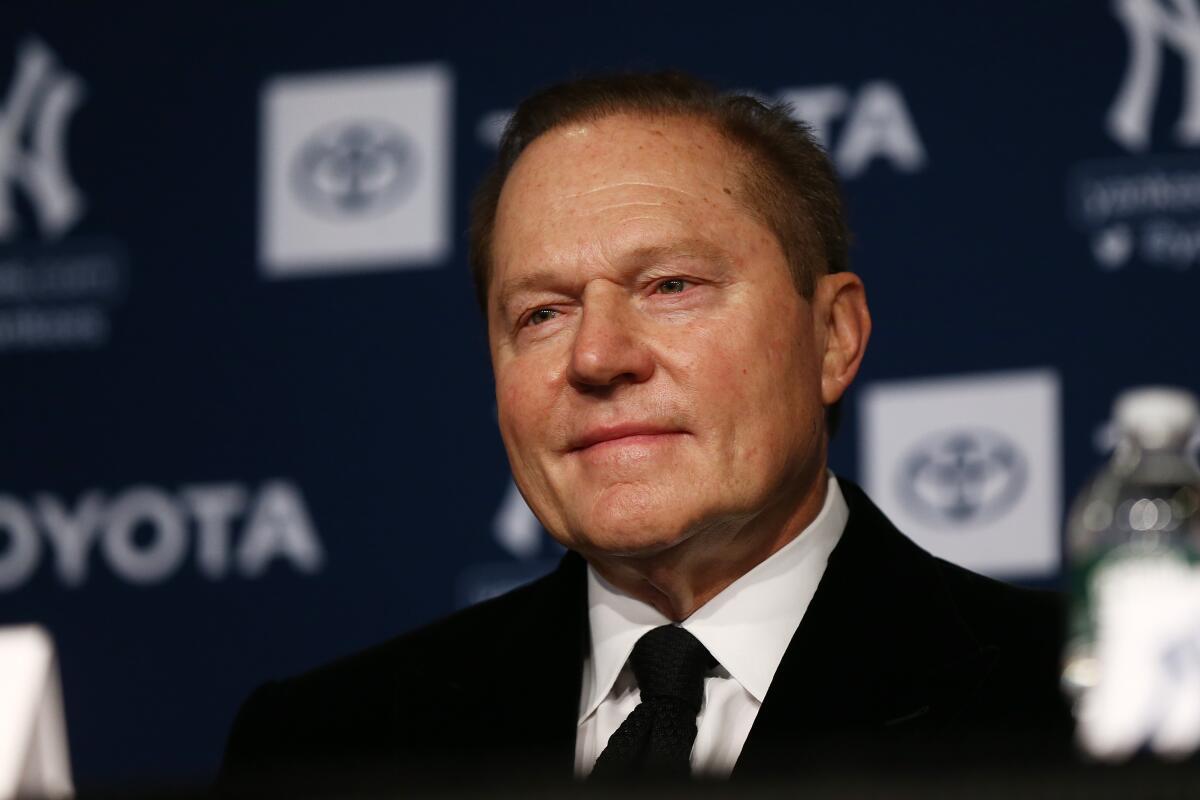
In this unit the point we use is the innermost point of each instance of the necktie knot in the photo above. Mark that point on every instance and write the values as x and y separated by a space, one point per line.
669 664
657 736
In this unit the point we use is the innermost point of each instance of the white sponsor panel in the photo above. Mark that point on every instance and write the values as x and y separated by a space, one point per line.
145 534
356 171
969 467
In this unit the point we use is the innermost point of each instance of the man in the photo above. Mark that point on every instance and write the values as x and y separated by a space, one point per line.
662 269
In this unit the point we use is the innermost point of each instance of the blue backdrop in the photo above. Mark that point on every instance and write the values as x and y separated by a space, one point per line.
233 448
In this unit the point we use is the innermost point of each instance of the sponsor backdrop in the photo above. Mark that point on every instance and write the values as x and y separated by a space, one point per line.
246 411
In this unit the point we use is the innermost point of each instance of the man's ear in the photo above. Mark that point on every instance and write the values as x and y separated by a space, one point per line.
844 325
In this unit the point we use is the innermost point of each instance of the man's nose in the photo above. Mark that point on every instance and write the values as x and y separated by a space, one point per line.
609 346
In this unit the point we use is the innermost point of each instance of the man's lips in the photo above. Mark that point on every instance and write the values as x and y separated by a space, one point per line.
634 432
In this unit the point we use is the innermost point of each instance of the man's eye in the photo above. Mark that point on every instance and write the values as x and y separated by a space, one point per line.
672 286
542 315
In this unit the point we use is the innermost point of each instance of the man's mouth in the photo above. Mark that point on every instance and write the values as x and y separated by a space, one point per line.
625 433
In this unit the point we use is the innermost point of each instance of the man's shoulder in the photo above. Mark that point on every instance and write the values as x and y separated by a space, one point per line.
940 611
995 611
1004 614
439 649
392 695
983 654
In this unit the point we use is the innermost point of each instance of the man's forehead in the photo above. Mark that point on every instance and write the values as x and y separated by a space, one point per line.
614 168
618 185
621 152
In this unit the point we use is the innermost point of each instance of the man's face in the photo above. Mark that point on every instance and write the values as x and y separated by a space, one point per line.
657 374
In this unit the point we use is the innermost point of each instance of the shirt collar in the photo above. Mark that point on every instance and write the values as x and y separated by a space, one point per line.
747 627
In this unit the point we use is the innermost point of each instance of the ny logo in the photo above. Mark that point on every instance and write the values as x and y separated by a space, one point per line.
33 121
1153 25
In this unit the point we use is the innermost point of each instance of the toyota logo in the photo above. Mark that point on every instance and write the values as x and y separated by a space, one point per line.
962 477
355 168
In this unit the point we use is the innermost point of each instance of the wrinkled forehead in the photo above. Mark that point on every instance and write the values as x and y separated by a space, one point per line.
673 164
689 134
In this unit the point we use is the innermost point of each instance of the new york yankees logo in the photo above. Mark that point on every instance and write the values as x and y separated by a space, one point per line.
33 120
1152 26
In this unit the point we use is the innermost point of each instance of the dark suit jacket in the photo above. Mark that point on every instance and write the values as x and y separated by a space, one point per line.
901 657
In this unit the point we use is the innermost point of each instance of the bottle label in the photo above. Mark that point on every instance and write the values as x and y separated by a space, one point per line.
1146 608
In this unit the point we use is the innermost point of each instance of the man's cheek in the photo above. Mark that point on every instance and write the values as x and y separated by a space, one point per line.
710 357
513 416
521 394
736 371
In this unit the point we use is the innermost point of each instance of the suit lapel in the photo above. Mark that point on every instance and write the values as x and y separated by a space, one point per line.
880 657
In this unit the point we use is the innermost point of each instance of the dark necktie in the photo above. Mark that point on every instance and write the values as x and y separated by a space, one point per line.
656 738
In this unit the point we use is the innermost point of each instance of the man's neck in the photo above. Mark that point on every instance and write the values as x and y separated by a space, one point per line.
681 579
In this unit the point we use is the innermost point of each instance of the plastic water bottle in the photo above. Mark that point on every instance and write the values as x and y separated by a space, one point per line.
1132 656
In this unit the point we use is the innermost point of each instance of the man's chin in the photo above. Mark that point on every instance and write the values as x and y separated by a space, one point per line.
629 543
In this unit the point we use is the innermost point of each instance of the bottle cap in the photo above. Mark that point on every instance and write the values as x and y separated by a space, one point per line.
1157 415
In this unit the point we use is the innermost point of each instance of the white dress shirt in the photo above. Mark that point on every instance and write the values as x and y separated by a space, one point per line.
746 628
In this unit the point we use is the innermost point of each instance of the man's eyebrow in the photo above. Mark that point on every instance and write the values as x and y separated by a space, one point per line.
537 280
641 257
687 248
